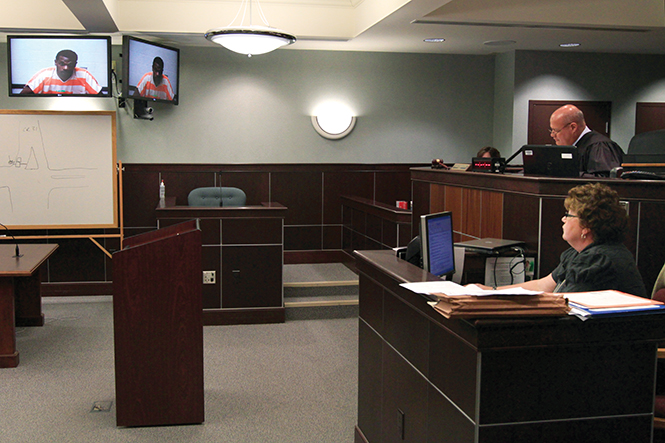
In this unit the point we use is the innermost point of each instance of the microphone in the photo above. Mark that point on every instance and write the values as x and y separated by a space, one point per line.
18 254
519 151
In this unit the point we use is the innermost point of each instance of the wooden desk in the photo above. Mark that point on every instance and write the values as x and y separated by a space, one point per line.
20 295
245 247
425 378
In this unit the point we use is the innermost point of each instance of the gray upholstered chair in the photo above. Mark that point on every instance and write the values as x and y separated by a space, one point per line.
217 196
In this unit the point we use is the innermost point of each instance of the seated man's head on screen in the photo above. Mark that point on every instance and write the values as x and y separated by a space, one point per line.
65 63
157 70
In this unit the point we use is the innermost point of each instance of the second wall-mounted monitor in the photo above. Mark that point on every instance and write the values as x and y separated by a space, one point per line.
60 66
151 71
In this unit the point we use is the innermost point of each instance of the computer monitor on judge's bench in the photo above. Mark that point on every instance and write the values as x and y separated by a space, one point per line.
437 244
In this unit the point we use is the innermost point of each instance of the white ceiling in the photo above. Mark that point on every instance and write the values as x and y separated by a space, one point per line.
623 26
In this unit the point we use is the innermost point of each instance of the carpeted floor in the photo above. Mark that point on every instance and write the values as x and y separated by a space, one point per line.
284 383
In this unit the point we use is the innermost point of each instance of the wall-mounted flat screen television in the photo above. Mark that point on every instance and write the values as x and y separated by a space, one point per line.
151 71
64 66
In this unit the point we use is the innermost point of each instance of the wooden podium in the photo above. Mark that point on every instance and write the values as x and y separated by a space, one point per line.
158 328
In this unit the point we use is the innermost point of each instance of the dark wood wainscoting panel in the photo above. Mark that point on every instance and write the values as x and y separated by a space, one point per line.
421 203
237 231
210 228
336 184
302 238
301 191
140 197
391 186
359 220
256 184
332 237
374 228
89 261
240 286
390 233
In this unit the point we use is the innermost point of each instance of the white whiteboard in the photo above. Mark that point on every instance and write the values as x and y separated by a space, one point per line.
58 169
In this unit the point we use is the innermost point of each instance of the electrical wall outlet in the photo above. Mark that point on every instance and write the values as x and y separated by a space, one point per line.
209 277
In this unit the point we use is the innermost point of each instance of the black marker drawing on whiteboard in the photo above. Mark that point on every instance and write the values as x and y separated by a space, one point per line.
32 155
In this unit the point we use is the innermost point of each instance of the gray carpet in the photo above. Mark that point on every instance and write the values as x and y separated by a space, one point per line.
292 382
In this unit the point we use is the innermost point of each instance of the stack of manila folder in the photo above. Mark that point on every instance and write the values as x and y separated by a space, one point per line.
456 301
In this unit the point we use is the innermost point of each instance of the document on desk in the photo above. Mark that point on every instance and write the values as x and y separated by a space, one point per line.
452 289
456 301
609 299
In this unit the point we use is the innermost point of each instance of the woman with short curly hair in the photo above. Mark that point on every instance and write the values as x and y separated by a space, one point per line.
594 226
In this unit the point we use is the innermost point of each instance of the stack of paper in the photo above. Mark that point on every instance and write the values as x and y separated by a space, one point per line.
589 304
453 300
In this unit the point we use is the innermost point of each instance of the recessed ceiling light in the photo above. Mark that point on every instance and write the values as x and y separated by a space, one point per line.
569 45
434 40
499 42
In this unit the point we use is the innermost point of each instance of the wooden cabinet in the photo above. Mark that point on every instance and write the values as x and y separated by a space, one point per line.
425 378
244 247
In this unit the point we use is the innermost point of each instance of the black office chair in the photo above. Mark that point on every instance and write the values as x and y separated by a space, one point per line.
217 196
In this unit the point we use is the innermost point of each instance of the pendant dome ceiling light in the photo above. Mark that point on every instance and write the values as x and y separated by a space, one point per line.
251 39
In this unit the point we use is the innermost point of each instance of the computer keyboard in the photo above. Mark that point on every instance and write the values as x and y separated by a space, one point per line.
642 175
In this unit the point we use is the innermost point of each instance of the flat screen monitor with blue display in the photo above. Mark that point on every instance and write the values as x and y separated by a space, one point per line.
437 245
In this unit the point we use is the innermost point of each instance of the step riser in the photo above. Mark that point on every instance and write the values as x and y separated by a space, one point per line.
321 312
319 291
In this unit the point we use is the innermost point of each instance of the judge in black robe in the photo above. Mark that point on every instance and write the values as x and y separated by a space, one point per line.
597 153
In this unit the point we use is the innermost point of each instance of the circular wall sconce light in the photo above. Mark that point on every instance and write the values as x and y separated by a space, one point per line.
334 126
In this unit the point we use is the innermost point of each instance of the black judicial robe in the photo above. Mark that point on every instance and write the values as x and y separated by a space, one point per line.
598 154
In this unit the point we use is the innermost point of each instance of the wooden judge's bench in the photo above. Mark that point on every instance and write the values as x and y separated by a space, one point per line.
517 207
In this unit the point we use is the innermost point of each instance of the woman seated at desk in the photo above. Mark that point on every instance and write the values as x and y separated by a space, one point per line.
594 226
